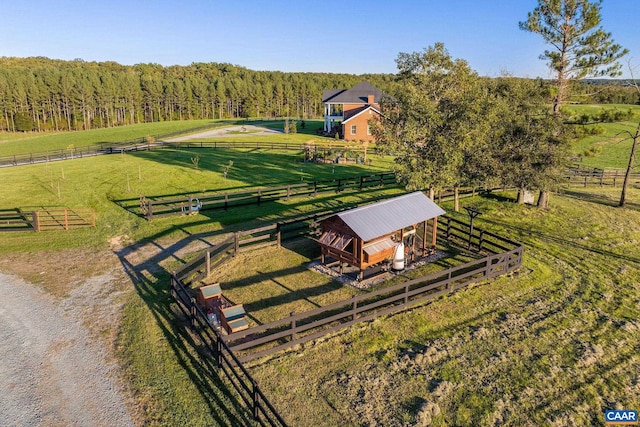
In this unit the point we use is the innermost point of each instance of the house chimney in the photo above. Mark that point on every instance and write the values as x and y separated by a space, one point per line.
370 99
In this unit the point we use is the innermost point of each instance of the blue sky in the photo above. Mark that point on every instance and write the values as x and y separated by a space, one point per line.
350 36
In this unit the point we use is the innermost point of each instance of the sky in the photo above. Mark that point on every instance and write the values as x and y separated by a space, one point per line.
348 36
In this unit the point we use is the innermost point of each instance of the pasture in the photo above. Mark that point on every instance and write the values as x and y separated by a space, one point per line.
611 148
555 344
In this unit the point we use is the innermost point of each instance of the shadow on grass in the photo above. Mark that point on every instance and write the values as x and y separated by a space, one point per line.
545 237
152 285
600 199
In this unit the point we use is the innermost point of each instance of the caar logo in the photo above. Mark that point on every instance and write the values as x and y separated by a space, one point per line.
621 417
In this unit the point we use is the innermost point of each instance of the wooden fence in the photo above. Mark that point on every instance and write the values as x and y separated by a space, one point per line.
502 255
50 219
225 360
158 207
136 144
594 176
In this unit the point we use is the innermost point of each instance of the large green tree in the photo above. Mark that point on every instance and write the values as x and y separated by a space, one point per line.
438 115
530 149
579 46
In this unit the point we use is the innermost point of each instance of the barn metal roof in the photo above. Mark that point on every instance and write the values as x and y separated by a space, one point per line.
390 215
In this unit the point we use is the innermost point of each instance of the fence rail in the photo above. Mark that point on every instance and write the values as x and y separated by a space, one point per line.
152 207
50 219
595 176
136 144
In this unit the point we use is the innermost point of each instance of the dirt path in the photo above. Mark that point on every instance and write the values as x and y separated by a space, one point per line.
51 372
246 130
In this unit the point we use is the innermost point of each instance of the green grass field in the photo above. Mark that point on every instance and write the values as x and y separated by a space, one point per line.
612 148
555 344
33 142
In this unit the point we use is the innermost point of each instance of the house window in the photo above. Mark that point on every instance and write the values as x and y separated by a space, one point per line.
368 130
353 129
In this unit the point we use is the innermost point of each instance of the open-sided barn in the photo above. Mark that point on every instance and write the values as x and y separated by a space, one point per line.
368 235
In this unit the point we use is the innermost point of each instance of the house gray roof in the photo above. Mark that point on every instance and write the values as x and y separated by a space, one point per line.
356 95
387 216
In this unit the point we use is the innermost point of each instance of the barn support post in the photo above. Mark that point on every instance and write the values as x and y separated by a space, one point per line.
434 230
424 238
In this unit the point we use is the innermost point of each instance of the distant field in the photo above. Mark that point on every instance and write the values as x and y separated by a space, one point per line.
23 143
611 149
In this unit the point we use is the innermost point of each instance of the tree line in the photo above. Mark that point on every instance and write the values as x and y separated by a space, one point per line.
40 94
44 94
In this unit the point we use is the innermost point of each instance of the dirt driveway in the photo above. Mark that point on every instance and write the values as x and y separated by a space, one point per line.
52 373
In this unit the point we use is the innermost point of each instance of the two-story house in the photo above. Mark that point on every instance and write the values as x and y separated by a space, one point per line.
351 109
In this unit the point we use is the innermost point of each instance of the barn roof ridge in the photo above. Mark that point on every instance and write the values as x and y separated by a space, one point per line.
384 217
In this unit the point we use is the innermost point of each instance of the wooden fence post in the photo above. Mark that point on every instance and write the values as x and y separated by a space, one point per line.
315 188
36 220
236 243
406 295
218 351
480 240
448 227
193 314
293 326
66 220
149 210
207 257
256 403
278 235
354 310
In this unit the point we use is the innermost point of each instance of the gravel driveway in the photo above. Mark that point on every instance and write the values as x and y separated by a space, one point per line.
235 131
51 372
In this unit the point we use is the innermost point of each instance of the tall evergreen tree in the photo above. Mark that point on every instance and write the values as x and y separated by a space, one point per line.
579 46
